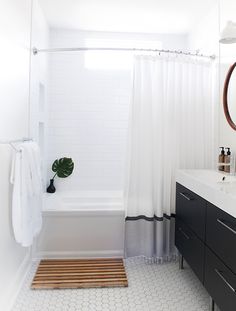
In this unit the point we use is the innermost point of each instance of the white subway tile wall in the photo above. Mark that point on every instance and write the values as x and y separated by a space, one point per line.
88 120
89 110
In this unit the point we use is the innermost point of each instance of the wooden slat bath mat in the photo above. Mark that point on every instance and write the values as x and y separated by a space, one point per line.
80 273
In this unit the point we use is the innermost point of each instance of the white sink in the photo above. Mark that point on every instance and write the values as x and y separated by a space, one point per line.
211 176
218 188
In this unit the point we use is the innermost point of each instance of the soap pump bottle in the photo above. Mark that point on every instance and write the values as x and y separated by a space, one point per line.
227 161
221 159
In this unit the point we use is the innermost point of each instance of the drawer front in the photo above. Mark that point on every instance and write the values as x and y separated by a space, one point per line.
191 247
220 282
221 235
191 209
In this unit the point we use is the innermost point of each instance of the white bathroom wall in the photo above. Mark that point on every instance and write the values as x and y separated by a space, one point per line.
15 25
205 38
88 111
205 35
227 58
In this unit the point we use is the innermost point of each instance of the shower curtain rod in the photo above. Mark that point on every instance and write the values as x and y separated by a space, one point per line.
75 49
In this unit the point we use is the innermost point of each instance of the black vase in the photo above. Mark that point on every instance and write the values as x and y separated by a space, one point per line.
51 188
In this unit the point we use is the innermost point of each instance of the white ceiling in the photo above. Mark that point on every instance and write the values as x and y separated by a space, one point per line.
145 16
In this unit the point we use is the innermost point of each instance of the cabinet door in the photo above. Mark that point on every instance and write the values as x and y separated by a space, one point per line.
220 282
191 247
191 209
221 235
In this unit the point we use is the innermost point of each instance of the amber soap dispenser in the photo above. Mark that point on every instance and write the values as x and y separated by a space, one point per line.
227 161
222 158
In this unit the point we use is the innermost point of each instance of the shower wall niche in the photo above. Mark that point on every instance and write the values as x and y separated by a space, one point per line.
42 124
41 116
39 125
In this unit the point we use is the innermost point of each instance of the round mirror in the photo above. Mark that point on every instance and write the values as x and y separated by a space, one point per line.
229 97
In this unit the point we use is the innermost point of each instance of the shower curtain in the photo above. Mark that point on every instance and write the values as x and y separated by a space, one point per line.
171 126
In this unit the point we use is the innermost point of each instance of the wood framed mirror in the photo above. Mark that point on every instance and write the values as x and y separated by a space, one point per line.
229 97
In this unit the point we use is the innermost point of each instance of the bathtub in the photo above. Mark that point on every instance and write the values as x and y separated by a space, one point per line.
81 224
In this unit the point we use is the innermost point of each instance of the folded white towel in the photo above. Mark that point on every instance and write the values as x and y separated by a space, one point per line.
27 193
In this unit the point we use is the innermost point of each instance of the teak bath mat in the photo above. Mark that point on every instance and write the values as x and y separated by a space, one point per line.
80 273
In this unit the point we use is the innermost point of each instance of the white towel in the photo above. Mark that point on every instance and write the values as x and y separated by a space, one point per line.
27 193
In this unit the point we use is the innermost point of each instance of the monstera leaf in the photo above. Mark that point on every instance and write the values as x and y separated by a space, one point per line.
63 167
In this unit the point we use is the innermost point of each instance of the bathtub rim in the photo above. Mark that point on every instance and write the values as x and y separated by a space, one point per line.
83 213
113 208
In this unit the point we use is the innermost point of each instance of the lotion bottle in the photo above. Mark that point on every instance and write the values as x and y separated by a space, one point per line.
221 159
227 161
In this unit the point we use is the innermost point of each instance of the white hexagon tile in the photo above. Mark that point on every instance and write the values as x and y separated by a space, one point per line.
151 287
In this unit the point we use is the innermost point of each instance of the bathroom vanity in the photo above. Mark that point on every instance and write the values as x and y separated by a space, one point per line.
206 231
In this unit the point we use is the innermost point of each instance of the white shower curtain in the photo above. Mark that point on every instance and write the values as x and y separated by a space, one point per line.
171 126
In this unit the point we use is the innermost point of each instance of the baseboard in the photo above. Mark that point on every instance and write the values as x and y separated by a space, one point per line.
80 254
17 282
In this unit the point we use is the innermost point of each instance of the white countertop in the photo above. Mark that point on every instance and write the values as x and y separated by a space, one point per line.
209 184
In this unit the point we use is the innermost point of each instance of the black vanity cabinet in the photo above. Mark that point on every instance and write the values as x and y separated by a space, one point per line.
206 237
190 228
221 235
220 264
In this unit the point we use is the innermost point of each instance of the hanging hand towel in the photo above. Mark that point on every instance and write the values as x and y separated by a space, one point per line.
27 193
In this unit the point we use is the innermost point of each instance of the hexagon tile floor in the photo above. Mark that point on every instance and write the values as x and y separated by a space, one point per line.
151 287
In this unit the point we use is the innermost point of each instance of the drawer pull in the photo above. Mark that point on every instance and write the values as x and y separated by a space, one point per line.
184 234
185 196
226 226
224 279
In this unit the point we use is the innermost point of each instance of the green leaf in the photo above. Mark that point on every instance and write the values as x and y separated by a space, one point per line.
63 167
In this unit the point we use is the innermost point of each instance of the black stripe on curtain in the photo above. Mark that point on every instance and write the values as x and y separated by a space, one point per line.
130 218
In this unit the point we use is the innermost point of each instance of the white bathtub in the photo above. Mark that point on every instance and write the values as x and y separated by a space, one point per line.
84 202
82 224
